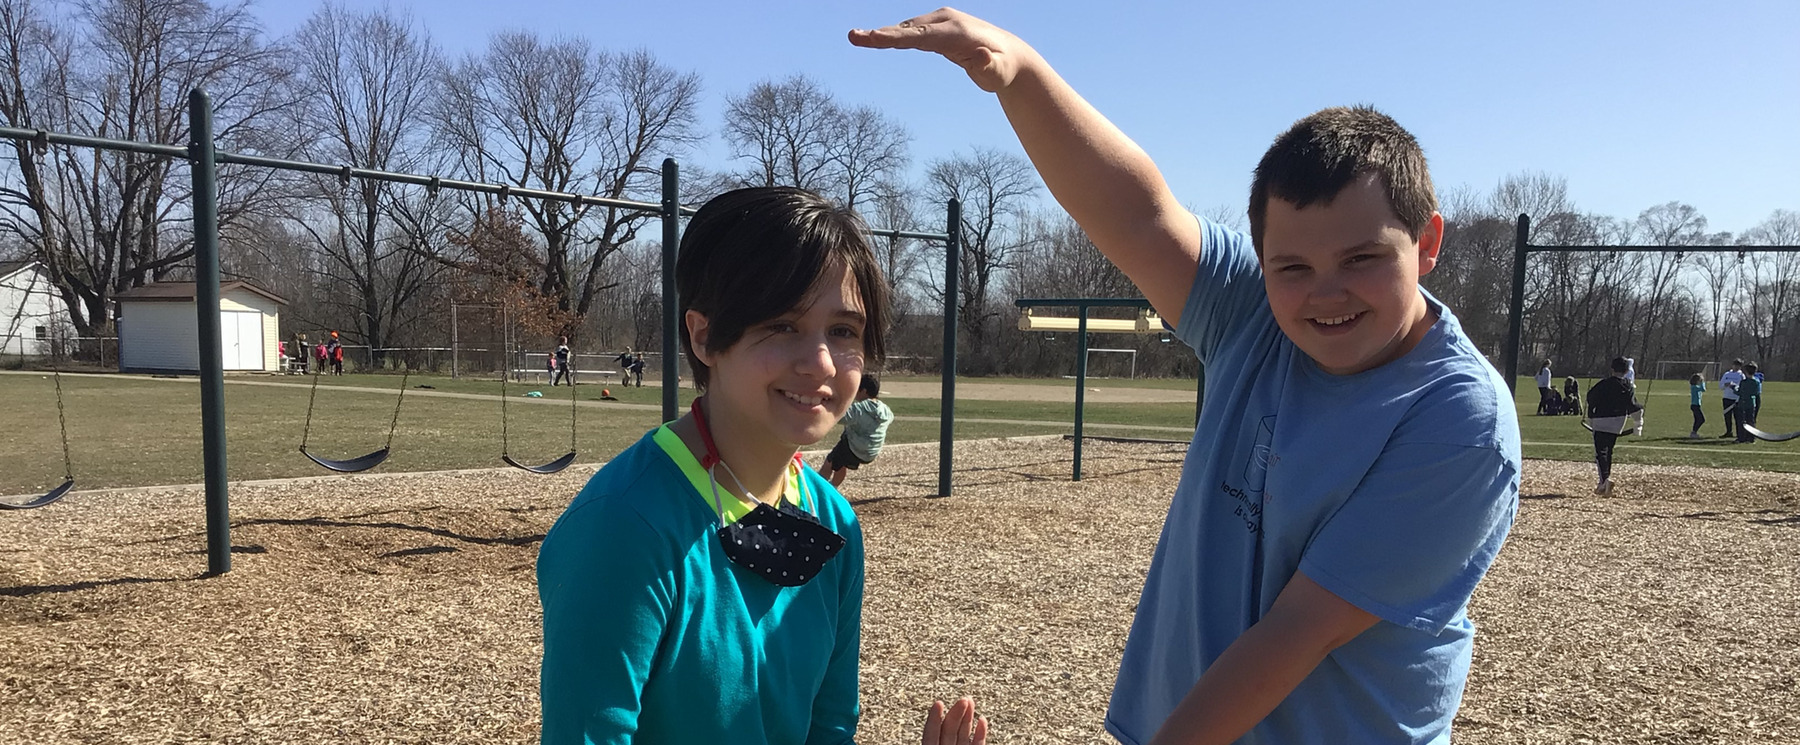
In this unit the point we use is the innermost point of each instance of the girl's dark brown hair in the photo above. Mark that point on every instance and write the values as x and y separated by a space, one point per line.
752 255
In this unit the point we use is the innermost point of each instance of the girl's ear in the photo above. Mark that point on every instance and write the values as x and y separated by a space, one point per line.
699 330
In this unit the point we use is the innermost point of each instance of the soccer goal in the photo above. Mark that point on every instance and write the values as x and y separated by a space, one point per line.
1683 369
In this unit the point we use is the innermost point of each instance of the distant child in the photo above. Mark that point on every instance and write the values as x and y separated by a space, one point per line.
1610 406
561 359
1728 394
637 369
550 366
1749 400
336 351
1696 388
1341 396
1544 390
865 429
1572 394
1760 390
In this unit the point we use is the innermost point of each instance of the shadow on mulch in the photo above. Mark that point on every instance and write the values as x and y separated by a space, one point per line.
1741 516
326 522
1551 495
23 591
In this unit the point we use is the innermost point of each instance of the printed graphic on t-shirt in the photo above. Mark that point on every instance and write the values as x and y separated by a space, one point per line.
1247 501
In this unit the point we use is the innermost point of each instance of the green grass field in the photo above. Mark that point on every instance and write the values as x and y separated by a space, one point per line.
1667 422
138 431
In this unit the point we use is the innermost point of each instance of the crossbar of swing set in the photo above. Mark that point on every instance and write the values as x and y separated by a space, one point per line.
1081 305
204 158
1522 250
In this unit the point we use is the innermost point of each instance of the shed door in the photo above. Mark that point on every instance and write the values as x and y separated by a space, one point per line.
241 334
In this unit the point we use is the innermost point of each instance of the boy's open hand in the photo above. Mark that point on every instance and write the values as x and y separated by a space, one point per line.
990 55
956 726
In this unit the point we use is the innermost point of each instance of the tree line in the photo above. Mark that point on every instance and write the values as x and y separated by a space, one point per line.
384 263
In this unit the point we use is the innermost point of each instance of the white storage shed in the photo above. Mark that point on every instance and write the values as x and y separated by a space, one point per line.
28 309
159 328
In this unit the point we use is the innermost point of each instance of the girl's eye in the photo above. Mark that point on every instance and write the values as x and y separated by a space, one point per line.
847 332
781 327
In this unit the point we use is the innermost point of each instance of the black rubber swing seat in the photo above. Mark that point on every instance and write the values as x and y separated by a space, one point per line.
352 465
1766 437
551 467
47 498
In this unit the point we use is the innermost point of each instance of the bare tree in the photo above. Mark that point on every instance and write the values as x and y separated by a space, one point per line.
993 187
794 133
369 80
563 116
104 221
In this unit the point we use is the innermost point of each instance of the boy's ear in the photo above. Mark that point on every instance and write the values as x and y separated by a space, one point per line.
699 329
1431 239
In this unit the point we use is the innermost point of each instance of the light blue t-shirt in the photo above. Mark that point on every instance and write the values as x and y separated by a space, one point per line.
652 635
1392 488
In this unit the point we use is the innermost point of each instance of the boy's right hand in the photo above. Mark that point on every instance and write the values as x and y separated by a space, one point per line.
956 726
990 55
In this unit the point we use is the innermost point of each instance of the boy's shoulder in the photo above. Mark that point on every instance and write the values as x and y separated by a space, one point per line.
1455 395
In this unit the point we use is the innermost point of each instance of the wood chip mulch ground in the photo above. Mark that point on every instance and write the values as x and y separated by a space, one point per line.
402 609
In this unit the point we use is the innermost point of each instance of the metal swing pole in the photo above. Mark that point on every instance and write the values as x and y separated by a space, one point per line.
671 243
205 170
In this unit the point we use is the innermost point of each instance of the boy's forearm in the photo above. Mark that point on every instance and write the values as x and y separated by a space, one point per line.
1092 168
1103 179
1248 680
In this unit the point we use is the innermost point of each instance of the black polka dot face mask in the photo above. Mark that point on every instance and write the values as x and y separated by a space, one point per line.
786 546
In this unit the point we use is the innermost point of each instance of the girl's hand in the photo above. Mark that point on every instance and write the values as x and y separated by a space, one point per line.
989 54
956 726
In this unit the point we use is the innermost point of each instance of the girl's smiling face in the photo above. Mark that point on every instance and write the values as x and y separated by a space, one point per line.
787 381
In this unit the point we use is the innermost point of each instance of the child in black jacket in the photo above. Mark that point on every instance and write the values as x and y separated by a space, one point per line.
1610 406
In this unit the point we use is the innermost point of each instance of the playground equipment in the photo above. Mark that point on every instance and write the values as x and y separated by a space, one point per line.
1522 250
1146 322
204 159
68 464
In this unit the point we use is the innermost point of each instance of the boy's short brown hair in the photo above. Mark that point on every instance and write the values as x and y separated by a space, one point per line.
751 255
1317 157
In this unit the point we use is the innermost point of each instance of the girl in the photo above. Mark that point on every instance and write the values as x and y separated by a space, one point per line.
1696 388
705 587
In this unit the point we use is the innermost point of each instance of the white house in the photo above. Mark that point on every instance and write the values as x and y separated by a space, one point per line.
159 328
28 308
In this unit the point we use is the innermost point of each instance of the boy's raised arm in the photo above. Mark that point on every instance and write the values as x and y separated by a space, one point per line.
1102 178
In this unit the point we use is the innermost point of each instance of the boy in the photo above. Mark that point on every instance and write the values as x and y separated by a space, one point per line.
1611 404
1353 407
1728 394
865 429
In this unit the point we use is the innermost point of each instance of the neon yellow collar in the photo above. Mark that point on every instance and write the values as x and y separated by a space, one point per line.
731 506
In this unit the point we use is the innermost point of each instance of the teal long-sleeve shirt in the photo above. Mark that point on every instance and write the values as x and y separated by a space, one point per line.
652 635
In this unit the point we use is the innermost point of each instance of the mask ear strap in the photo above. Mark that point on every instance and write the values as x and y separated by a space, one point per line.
718 508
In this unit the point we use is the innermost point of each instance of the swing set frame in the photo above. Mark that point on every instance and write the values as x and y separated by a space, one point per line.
204 159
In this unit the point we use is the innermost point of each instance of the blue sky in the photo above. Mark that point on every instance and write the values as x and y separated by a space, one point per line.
1635 103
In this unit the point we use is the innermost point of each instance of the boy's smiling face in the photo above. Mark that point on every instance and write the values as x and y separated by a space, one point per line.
1343 277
